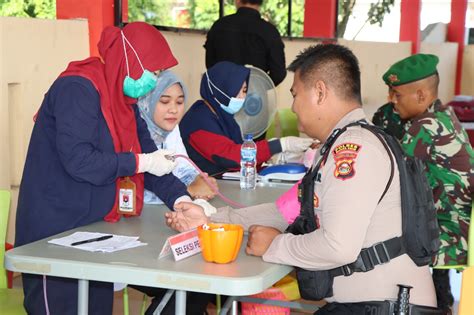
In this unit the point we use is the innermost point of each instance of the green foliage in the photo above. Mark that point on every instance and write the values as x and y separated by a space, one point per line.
378 10
375 14
45 9
203 13
345 8
156 12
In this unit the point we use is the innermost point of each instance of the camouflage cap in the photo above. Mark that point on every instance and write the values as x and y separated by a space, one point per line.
411 69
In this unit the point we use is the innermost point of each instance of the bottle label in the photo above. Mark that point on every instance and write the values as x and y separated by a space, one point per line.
248 155
127 197
126 200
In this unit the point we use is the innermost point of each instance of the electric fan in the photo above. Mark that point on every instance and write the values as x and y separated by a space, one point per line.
260 104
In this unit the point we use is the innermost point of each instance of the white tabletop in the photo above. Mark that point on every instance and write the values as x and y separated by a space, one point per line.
141 266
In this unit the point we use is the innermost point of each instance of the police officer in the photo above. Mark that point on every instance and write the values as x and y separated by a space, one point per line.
350 213
435 135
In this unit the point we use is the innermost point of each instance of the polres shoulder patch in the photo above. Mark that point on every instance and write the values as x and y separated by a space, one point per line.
344 158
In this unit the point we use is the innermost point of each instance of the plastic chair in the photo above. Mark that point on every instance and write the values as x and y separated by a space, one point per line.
11 300
126 308
284 124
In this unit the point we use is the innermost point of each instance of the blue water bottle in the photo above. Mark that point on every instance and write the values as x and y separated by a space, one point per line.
248 163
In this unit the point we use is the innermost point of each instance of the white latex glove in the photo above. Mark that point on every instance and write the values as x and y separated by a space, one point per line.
295 144
156 163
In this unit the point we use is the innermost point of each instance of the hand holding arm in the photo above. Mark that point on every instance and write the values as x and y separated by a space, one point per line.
200 188
157 163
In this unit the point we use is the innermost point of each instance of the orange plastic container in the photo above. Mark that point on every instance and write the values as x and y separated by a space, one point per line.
220 246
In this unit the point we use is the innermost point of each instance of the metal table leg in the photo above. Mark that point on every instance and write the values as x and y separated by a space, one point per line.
227 305
235 307
180 302
83 297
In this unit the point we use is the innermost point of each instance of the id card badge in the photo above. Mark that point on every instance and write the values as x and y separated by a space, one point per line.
127 197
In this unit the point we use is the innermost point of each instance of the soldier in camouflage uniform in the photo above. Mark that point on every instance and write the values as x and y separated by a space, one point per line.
435 135
388 119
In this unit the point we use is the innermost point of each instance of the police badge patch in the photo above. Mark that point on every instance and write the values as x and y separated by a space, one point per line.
344 158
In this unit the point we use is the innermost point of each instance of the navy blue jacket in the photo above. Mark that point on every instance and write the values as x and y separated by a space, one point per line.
71 168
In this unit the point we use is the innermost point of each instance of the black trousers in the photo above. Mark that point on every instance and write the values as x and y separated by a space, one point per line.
442 286
196 303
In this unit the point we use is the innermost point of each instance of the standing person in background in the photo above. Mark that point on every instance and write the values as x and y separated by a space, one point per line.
88 136
210 133
162 110
435 136
245 38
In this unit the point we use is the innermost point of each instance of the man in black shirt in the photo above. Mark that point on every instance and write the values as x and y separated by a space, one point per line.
245 38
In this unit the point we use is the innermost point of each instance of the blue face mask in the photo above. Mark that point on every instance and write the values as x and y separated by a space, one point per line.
235 104
142 86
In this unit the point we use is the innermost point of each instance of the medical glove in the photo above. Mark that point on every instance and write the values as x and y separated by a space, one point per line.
295 144
157 163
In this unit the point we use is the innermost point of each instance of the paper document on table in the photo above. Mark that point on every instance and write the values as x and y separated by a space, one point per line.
110 243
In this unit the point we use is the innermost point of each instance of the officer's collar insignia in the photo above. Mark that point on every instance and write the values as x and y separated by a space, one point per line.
393 78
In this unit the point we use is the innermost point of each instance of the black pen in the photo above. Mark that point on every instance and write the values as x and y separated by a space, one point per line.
97 239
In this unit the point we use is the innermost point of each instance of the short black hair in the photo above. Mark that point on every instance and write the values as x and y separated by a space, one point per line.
334 64
257 2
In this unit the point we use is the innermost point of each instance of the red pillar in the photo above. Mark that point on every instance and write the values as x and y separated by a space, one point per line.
320 18
99 13
410 23
456 32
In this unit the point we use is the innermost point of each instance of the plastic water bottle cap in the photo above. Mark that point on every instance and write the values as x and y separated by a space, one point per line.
249 136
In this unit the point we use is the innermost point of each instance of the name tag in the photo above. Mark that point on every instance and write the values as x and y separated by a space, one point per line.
182 245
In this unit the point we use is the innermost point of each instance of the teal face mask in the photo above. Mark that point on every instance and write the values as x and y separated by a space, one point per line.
141 87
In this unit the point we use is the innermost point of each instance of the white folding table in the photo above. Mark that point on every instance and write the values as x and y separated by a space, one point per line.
140 266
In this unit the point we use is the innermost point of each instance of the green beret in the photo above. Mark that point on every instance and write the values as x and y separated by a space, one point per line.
411 69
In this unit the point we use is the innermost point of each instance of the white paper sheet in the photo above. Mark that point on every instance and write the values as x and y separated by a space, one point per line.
113 244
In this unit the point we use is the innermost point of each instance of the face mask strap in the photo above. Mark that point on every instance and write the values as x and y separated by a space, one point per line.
210 89
125 52
124 39
209 83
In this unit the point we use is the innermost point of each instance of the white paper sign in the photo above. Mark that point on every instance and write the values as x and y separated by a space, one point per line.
182 245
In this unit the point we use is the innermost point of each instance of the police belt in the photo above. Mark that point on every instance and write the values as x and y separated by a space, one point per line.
378 254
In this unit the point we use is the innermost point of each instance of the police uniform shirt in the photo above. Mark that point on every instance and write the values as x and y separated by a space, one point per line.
346 197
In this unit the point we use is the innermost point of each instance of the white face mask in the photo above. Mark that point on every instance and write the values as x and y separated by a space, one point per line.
235 104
